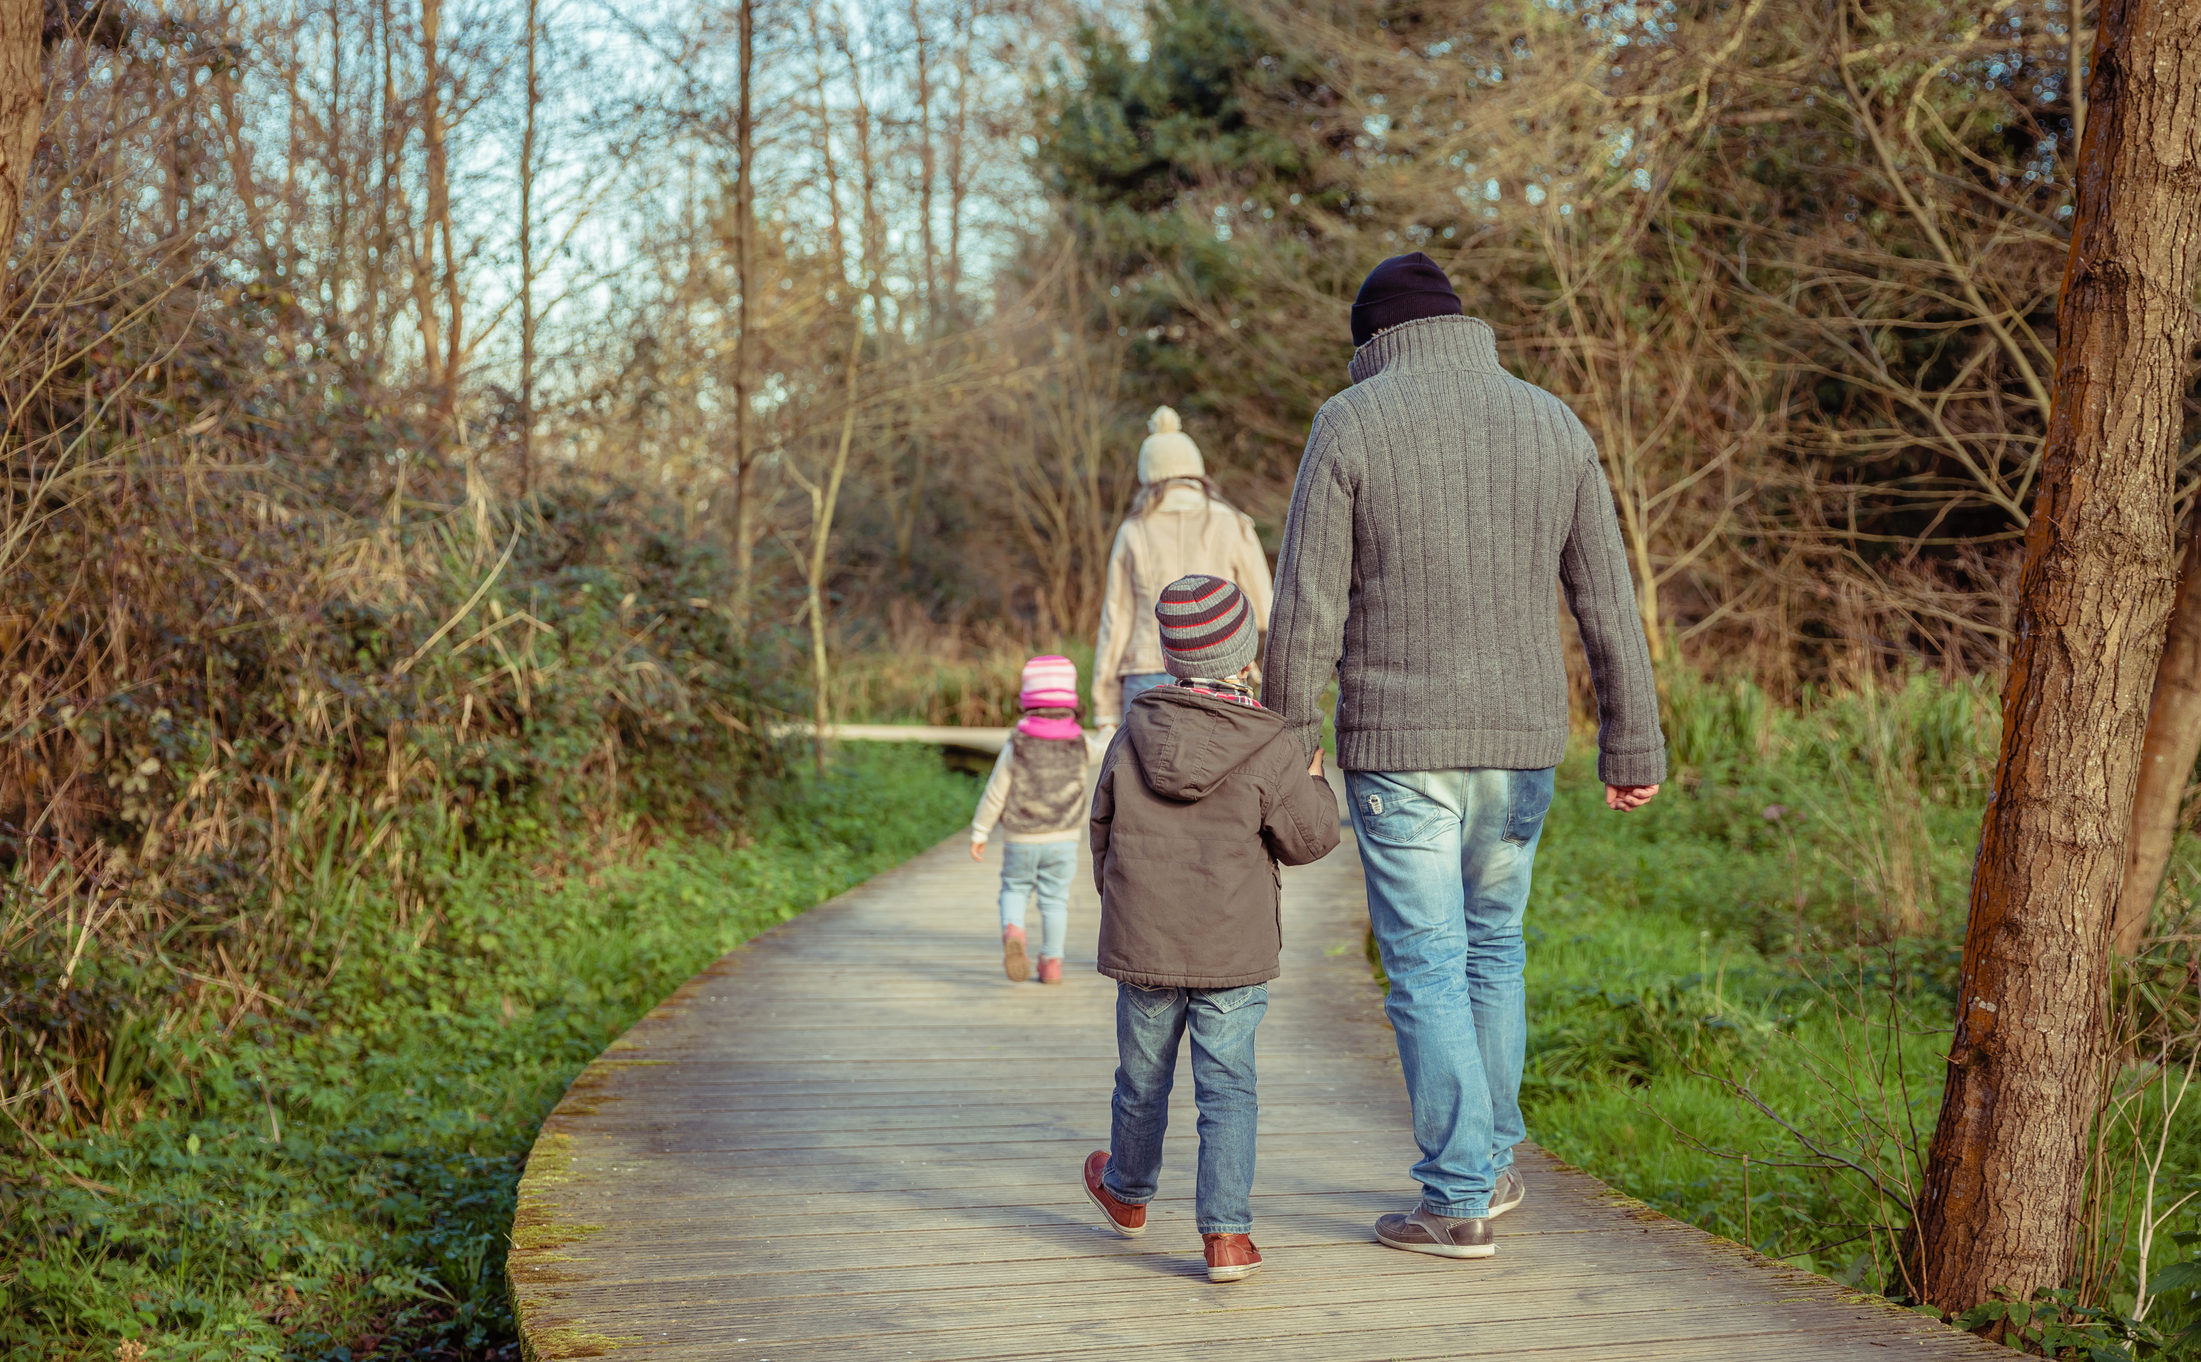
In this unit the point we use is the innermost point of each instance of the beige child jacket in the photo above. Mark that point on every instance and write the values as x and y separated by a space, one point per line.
1185 533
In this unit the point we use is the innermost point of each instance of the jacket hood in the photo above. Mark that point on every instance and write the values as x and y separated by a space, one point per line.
1188 744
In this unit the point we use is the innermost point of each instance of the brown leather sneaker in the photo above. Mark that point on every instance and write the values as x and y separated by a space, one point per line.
1231 1257
1509 1193
1014 963
1128 1221
1418 1231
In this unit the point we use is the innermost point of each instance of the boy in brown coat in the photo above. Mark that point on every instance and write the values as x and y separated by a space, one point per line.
1201 795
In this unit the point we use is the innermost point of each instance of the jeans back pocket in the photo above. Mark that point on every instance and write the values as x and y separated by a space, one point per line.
1384 810
1231 999
1528 799
1151 1001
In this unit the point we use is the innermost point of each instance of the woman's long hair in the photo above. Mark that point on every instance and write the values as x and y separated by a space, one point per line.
1150 495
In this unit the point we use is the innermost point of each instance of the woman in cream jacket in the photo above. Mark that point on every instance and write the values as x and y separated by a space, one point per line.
1179 524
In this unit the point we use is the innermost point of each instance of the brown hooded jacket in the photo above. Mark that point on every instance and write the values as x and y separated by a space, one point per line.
1198 800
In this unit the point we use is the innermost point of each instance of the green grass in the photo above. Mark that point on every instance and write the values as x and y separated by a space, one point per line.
1662 984
340 1181
1740 996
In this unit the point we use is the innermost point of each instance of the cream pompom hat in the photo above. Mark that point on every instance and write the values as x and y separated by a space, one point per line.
1168 452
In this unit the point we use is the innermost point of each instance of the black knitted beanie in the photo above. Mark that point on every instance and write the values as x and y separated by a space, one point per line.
1405 288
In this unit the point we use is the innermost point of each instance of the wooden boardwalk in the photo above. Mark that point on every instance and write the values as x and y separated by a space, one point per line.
853 1138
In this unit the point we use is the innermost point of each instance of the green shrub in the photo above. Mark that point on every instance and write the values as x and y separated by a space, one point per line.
344 1171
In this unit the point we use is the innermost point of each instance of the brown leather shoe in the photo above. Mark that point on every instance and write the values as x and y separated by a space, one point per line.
1231 1257
1509 1192
1128 1221
1417 1231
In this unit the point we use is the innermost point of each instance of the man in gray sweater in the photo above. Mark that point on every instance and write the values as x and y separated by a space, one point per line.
1438 500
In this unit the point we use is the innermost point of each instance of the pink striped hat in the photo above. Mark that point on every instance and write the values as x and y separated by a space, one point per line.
1050 682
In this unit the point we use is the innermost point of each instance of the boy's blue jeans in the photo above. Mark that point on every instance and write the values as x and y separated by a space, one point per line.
1149 1022
1447 856
1040 870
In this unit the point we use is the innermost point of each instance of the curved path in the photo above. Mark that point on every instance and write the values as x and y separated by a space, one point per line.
852 1138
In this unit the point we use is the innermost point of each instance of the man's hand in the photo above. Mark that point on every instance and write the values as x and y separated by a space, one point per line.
1622 798
978 850
1314 768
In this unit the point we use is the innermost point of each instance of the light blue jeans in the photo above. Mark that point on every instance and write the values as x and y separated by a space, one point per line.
1140 683
1040 870
1447 855
1149 1022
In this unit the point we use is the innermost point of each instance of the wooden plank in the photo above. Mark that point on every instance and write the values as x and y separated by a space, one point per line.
855 1139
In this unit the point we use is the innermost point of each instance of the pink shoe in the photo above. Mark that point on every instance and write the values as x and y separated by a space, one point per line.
1050 969
1013 962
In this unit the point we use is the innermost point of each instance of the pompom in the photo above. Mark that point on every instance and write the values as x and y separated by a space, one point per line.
1163 422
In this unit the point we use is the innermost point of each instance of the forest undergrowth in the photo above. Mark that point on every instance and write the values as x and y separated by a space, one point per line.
1740 1000
335 1180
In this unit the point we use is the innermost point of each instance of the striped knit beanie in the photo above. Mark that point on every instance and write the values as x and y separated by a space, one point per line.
1208 628
1049 682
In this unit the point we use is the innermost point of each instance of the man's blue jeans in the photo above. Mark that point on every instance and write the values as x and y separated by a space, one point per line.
1149 1022
1139 683
1043 871
1447 856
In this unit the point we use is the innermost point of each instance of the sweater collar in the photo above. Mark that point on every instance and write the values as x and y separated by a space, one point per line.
1430 345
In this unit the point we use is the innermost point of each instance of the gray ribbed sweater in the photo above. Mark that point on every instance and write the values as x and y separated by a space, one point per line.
1438 500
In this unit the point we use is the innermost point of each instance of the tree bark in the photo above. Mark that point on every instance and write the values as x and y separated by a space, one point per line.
926 174
442 344
823 501
534 98
966 24
22 104
2167 757
1999 1210
745 231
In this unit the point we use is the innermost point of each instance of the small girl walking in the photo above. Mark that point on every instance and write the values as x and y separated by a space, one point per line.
1037 794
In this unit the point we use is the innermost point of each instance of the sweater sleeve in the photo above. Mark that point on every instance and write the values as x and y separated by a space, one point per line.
1117 605
1314 570
1593 569
995 797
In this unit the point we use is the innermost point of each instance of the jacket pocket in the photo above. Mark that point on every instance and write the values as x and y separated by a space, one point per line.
1391 813
1528 799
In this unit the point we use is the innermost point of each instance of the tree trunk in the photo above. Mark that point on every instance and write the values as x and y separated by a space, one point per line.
22 104
378 283
745 201
1999 1210
823 501
966 26
534 98
926 174
435 133
2167 757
